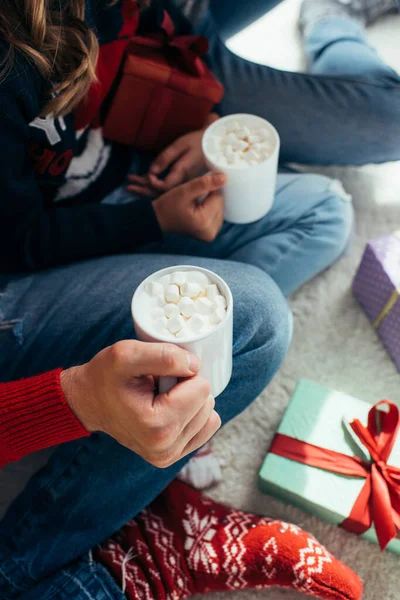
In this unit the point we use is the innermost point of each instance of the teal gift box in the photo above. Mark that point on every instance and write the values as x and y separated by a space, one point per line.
322 417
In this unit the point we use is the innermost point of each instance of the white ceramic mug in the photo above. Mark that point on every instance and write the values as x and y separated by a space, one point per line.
249 192
214 348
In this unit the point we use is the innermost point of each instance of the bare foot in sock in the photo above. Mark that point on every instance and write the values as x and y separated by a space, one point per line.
185 543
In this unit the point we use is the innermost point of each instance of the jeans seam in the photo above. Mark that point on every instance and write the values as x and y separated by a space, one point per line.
83 589
102 583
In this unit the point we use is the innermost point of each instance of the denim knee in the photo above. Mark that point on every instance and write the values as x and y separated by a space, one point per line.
334 218
262 311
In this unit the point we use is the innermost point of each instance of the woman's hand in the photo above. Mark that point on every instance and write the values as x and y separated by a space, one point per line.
194 209
185 160
115 393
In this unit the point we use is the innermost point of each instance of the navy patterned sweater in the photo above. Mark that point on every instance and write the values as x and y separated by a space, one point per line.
55 172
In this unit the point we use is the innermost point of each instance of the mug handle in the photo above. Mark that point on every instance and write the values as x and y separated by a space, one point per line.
166 384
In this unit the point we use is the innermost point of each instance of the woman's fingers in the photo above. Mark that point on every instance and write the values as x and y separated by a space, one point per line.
141 190
169 156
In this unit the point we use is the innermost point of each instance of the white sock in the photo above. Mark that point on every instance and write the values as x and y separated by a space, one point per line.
203 470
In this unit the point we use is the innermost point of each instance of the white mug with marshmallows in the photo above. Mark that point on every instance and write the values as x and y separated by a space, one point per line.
245 148
191 307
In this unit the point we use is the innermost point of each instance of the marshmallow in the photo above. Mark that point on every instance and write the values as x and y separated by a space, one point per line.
262 147
186 307
241 145
243 133
171 310
161 300
197 323
214 144
198 277
178 278
204 306
220 301
217 316
160 323
234 160
154 288
221 131
165 279
191 289
158 313
229 153
187 303
166 333
182 333
232 126
212 292
253 155
231 138
172 293
221 160
176 324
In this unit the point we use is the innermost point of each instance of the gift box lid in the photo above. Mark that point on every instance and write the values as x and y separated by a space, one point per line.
320 416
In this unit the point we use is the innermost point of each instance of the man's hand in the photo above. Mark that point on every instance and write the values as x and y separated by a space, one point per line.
180 211
183 158
115 393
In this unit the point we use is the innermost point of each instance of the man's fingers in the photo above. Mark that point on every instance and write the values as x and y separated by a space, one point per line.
209 217
196 423
168 156
181 171
136 359
204 435
184 401
213 204
203 185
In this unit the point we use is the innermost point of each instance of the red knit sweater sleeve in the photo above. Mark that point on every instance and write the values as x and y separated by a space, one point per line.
35 415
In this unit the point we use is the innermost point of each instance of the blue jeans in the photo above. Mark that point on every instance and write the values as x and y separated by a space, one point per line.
344 111
62 317
91 487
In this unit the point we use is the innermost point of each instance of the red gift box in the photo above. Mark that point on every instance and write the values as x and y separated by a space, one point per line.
165 90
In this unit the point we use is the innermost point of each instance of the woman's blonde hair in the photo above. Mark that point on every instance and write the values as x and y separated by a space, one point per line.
53 35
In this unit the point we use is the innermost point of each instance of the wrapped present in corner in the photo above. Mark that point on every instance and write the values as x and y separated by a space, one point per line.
165 90
376 287
338 458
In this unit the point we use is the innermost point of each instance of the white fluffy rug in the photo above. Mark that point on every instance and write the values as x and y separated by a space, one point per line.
333 341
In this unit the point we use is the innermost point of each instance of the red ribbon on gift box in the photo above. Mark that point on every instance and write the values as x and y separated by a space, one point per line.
188 49
379 500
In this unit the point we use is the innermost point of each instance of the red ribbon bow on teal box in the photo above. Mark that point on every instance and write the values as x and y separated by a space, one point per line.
378 502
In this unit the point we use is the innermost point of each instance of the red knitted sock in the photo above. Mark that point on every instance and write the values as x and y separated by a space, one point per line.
185 543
